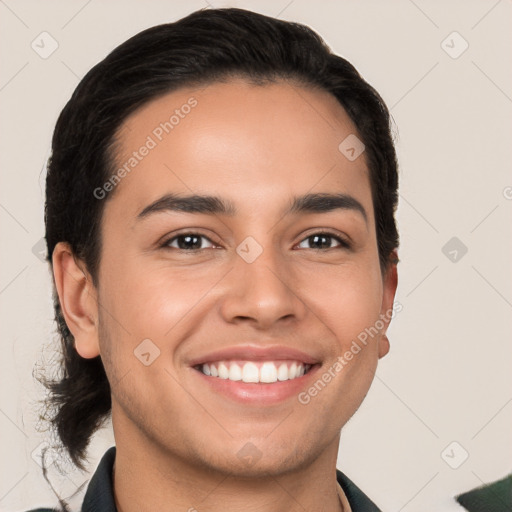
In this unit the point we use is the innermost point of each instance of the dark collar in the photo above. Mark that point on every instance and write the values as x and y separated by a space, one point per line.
357 499
100 492
100 495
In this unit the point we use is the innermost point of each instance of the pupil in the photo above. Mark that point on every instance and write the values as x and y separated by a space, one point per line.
315 239
187 239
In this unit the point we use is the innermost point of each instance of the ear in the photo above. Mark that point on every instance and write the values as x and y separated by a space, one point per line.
390 282
78 299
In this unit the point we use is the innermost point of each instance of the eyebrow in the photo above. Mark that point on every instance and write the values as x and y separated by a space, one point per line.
308 203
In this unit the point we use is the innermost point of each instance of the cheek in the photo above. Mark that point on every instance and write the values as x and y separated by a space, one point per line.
155 301
347 300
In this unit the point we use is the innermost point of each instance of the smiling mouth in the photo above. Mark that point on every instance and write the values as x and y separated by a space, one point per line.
255 372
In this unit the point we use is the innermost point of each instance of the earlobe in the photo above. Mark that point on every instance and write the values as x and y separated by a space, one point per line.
77 297
383 346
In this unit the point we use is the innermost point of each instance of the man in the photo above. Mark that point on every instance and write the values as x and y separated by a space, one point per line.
220 224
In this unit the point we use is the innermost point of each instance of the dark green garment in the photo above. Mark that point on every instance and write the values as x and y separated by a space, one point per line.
495 497
100 498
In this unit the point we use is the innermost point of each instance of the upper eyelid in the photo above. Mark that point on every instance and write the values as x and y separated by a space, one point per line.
328 231
167 240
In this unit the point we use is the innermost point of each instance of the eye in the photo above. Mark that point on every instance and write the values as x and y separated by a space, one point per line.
186 242
323 240
191 242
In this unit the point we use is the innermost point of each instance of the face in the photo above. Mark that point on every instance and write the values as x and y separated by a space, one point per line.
244 284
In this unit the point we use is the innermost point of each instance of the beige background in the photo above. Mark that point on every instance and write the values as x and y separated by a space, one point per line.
447 377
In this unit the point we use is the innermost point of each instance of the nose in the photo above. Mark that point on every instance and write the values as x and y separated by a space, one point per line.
262 292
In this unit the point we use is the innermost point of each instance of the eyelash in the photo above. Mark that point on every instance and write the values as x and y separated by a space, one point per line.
343 243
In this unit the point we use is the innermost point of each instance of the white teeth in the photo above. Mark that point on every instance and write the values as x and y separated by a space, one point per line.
268 372
223 371
282 372
235 372
252 372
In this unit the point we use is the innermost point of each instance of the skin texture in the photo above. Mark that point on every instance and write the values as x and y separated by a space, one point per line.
177 441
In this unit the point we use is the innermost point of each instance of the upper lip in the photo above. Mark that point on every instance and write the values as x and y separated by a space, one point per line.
255 353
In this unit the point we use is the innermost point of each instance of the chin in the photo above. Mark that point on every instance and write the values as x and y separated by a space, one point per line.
271 461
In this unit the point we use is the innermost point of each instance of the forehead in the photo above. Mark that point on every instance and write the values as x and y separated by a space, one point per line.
249 143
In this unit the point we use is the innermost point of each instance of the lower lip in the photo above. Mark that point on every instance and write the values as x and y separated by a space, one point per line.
258 393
